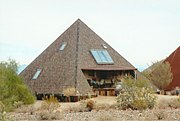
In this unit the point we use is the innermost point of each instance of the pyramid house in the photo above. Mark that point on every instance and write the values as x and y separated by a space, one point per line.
77 59
174 61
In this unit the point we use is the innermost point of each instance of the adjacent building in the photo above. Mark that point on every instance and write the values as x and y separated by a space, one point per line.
174 61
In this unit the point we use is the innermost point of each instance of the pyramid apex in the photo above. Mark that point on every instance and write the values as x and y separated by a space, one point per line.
78 20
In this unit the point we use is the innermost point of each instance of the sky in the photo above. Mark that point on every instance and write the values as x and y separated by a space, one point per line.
142 31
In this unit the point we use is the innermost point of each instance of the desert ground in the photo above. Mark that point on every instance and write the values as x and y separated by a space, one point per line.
104 111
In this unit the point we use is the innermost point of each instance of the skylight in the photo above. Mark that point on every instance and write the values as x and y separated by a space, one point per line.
102 56
104 46
63 45
36 74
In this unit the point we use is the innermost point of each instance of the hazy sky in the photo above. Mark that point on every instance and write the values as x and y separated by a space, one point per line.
142 31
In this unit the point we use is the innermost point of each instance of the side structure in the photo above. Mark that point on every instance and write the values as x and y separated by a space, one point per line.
174 61
78 59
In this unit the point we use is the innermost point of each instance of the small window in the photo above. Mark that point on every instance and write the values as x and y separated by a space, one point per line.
36 74
104 46
63 45
102 56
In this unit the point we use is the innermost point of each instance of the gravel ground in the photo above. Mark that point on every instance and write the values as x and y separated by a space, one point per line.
116 115
109 115
64 113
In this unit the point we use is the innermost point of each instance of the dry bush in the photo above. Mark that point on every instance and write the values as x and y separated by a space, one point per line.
45 115
90 104
50 103
83 106
69 91
75 109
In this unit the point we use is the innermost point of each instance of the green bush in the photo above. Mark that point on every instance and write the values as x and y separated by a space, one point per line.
136 95
12 87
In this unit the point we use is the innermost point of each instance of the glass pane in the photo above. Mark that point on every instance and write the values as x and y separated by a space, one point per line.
108 57
36 74
96 56
63 46
102 56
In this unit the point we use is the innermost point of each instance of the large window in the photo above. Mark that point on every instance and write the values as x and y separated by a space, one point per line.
102 57
36 74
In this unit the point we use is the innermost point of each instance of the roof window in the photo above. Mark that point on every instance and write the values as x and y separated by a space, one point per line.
63 45
104 46
102 56
36 74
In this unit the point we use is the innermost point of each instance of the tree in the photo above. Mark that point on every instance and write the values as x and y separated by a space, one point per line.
160 74
12 87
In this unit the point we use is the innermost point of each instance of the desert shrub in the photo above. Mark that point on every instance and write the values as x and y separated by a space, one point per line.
90 104
50 103
45 115
135 95
83 106
12 87
70 91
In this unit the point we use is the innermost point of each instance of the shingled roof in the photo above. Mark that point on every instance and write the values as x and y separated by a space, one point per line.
174 61
61 67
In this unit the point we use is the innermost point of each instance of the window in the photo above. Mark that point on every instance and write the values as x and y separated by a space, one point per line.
63 45
102 57
104 46
36 74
